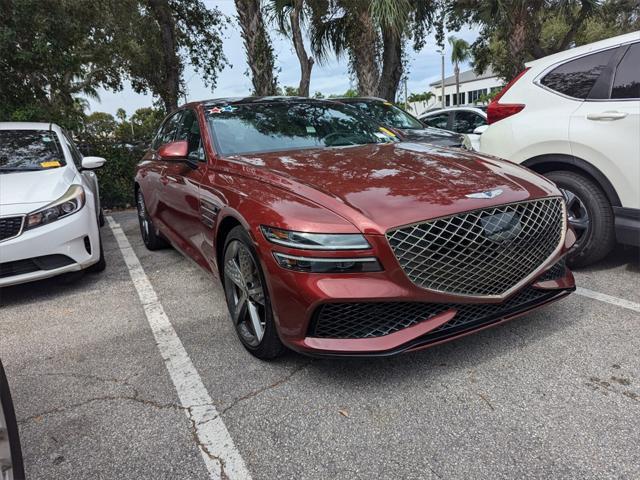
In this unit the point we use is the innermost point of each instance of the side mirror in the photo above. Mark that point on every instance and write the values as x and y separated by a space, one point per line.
176 151
91 163
480 130
11 465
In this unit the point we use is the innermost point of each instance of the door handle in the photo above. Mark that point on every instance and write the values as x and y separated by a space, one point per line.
606 116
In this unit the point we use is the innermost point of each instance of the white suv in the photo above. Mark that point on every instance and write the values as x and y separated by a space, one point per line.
575 117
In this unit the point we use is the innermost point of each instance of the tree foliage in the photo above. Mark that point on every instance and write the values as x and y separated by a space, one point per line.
513 32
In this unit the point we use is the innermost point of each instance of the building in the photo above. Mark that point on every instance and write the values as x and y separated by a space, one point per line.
472 88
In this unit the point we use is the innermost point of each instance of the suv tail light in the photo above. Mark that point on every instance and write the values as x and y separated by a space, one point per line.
497 111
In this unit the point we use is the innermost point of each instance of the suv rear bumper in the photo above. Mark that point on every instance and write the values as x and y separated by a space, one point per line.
627 225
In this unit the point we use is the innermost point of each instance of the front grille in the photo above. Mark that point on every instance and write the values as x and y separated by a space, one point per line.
374 319
10 227
485 252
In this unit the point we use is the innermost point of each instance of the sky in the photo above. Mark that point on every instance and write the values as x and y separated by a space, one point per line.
329 78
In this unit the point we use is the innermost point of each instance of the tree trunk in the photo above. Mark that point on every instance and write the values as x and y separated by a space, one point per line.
517 44
363 55
170 83
456 69
306 62
258 47
391 65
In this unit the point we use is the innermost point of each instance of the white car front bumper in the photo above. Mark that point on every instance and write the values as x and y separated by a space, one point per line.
27 257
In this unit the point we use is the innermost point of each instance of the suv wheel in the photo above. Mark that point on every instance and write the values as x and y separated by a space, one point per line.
590 215
247 297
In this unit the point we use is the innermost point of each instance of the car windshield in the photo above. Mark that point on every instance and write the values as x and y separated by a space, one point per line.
285 125
388 114
25 150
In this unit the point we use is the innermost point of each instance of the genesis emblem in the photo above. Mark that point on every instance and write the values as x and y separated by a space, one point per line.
487 194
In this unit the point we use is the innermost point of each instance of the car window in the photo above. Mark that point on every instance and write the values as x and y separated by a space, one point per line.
30 150
167 131
440 120
289 125
190 131
76 156
388 114
577 77
467 122
626 83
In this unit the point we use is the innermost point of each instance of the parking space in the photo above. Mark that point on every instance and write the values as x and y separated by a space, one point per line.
552 394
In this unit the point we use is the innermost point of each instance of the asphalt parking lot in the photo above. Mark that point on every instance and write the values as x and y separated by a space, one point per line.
555 394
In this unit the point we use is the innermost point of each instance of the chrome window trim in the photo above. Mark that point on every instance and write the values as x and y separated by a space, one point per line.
550 260
24 216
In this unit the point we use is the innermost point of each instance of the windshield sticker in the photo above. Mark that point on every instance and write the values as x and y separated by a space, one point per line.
227 109
50 164
387 132
311 129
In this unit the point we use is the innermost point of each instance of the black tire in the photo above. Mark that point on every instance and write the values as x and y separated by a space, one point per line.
150 235
598 238
102 263
101 221
12 433
269 346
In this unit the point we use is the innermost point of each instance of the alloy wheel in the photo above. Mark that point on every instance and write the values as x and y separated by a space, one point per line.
577 214
245 293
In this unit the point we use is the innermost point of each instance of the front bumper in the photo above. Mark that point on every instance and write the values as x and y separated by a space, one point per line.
67 245
430 318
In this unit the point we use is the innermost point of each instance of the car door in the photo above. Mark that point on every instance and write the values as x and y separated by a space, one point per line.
181 190
605 130
151 174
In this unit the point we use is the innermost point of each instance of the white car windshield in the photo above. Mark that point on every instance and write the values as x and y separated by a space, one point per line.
28 150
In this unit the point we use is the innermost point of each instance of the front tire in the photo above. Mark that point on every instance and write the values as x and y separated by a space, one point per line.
248 298
590 215
150 235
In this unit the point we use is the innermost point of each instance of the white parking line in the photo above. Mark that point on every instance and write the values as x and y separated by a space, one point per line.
220 455
603 297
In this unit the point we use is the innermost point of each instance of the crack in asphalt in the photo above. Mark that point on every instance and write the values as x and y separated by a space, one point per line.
134 397
265 388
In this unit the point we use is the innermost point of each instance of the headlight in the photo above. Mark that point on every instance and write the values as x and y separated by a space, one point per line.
68 204
316 241
327 265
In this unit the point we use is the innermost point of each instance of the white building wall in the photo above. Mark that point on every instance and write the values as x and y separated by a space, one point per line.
418 108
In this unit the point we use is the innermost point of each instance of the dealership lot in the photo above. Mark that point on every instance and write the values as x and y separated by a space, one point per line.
555 394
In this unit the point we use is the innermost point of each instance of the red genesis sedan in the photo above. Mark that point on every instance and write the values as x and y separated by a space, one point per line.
333 238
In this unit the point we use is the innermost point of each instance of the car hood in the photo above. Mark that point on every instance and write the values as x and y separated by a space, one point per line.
41 186
377 187
435 136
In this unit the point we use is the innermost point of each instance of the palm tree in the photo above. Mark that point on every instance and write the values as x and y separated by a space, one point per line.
258 46
289 15
460 52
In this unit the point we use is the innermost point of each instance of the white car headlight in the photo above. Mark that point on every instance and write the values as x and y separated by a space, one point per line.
68 204
316 241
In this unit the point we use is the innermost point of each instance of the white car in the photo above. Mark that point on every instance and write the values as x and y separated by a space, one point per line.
49 204
469 121
575 117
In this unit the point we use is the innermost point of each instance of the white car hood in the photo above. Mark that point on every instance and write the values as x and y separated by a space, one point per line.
42 186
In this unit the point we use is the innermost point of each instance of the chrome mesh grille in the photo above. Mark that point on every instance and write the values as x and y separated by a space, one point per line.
480 253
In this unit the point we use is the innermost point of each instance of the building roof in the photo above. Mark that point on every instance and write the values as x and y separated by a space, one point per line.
468 76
